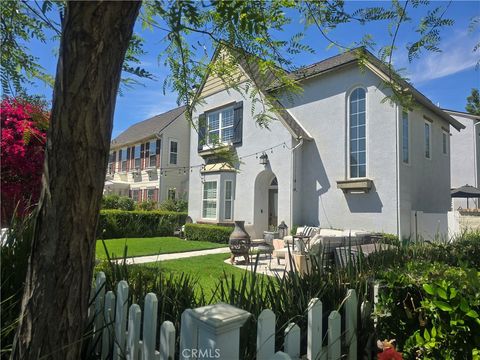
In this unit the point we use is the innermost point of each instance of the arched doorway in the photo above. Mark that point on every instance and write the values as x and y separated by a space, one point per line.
265 207
273 203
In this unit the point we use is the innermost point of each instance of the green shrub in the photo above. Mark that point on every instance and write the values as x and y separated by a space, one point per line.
147 205
110 201
174 205
118 223
125 203
204 232
114 201
427 307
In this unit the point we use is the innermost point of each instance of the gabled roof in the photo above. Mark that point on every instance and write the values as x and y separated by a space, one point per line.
353 56
148 128
250 66
462 114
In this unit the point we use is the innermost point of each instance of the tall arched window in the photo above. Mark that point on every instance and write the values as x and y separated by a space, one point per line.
357 127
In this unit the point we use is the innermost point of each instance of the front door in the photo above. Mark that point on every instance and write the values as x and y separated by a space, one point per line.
272 208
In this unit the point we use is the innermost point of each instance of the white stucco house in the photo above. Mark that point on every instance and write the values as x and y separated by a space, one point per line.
335 156
150 160
465 155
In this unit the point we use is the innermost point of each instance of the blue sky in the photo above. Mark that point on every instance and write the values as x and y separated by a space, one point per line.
445 78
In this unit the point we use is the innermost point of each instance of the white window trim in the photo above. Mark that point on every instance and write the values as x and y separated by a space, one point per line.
124 153
225 199
429 140
447 137
409 138
216 201
170 151
366 133
220 127
149 165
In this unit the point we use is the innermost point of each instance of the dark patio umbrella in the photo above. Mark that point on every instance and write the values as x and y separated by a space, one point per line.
466 191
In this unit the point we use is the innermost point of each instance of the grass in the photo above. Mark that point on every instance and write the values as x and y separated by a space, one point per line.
207 269
150 246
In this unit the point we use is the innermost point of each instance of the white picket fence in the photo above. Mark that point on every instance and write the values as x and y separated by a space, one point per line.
213 332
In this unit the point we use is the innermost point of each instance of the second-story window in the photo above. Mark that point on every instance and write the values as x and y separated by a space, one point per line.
173 152
445 143
136 156
405 138
220 126
358 137
427 135
124 159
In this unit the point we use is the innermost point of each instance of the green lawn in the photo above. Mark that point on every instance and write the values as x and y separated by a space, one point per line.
151 246
207 269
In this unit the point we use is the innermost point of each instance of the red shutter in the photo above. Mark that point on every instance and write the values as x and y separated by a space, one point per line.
120 160
114 161
142 156
132 157
139 196
159 144
147 154
145 196
155 195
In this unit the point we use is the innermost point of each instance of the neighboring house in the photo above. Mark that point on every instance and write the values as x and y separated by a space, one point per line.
335 156
465 156
150 160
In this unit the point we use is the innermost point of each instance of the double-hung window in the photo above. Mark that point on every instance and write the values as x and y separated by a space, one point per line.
111 162
136 156
152 150
445 143
427 133
173 152
227 210
358 137
151 195
172 193
220 126
124 159
209 200
135 193
405 138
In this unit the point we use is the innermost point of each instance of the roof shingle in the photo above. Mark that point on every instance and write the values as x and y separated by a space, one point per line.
148 128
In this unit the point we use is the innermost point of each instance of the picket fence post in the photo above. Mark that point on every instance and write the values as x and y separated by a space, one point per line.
188 335
292 341
334 333
149 326
121 320
133 339
167 341
351 324
266 335
107 335
314 330
99 309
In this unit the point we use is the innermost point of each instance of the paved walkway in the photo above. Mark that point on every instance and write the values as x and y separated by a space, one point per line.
173 256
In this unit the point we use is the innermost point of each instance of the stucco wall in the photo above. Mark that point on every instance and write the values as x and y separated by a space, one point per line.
177 176
465 167
322 110
424 183
255 139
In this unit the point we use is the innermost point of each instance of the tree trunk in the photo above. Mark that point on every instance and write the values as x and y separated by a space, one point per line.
94 40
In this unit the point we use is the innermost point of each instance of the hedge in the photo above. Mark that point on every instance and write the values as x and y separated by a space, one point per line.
204 232
120 223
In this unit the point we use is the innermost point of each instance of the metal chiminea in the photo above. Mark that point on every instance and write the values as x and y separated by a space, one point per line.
264 159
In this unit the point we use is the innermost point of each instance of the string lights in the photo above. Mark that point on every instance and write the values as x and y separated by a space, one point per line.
184 169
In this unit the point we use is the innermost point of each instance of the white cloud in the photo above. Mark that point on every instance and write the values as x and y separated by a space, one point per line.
457 55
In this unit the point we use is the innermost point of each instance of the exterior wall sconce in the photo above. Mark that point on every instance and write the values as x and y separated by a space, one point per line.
264 159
